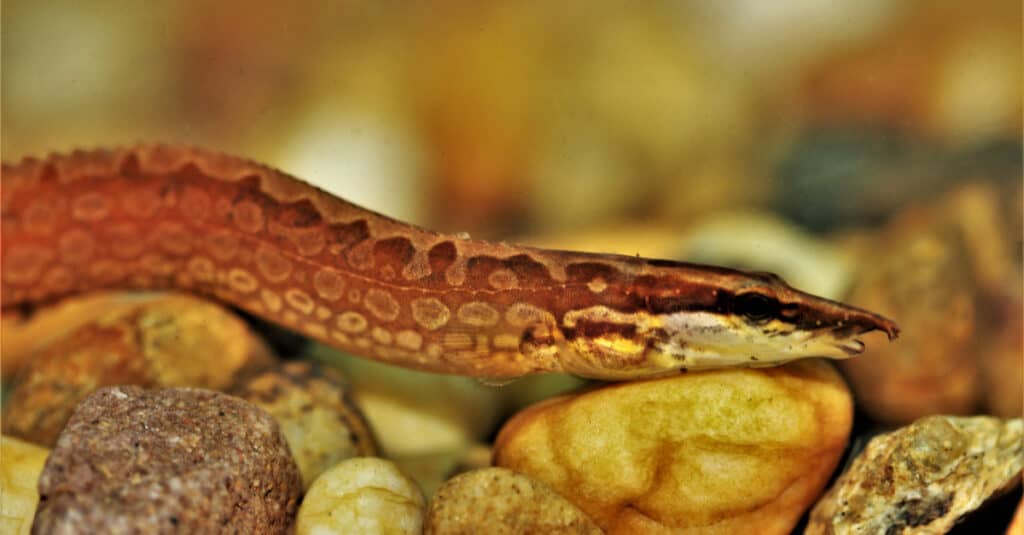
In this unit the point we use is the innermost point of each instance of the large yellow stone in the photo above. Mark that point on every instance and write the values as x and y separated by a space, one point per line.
20 466
733 451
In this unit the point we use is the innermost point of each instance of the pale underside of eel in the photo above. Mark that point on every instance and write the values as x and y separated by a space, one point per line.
168 217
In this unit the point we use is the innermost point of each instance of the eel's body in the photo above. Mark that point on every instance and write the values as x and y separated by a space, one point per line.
153 217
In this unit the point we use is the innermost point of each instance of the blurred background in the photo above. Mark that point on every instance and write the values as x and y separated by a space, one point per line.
867 151
504 118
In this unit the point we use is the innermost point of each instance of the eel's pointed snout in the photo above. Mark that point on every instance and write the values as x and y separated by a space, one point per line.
868 321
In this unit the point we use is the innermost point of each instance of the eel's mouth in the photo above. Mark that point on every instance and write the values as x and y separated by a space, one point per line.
846 335
851 346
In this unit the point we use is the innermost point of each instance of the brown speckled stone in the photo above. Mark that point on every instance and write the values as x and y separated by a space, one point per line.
924 477
178 460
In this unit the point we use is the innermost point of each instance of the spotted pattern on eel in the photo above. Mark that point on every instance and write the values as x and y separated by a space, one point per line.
169 217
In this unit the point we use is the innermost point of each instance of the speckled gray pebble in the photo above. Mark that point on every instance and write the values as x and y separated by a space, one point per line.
177 460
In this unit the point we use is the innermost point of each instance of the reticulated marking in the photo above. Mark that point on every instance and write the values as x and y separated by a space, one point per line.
299 300
478 314
525 314
273 265
289 316
58 279
308 241
393 255
441 256
434 351
418 267
158 265
381 336
408 339
351 322
242 281
222 244
24 263
183 279
173 237
503 279
222 206
604 314
141 280
354 295
341 337
315 330
468 356
248 216
271 300
455 275
107 271
39 217
506 341
597 285
124 240
361 256
76 246
344 235
323 312
430 313
328 284
381 304
363 342
457 340
90 207
141 203
195 204
202 268
554 268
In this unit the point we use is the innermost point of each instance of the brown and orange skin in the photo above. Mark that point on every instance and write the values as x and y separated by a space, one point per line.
167 217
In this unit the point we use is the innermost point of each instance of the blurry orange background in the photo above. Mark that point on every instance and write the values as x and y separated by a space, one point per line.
506 118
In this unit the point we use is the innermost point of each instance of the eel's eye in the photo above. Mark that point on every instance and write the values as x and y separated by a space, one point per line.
756 307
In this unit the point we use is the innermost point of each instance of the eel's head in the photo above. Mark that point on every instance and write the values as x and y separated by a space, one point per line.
698 317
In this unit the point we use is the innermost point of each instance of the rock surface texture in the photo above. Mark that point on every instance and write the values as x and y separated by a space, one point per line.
362 495
312 406
177 460
922 478
502 502
162 340
730 451
20 466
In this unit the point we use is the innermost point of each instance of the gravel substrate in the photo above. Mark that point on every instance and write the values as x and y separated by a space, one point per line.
177 460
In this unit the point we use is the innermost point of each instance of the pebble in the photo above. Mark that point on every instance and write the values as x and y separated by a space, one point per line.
502 502
730 451
363 495
923 282
924 477
20 466
175 460
162 340
317 415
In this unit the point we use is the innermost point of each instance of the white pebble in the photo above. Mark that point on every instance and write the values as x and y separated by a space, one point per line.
361 495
